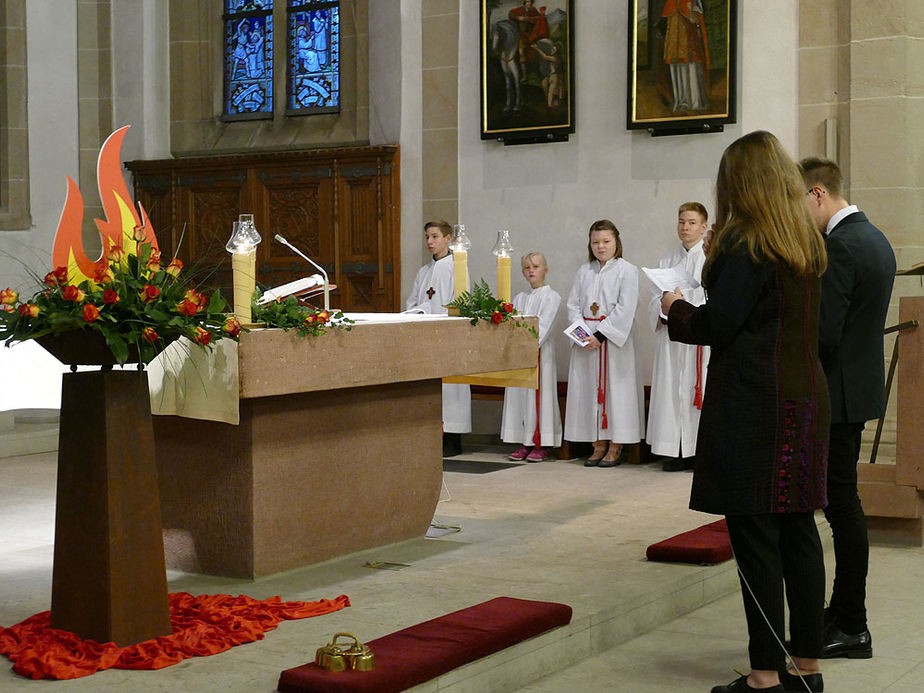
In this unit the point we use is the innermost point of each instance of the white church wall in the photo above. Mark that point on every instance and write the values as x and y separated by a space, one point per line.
548 194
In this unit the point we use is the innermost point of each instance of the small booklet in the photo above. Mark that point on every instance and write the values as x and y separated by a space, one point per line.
669 278
301 288
579 333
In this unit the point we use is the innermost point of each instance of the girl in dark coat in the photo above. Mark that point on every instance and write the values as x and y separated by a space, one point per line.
763 433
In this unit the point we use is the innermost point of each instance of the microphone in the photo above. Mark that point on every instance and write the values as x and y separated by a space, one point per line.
312 262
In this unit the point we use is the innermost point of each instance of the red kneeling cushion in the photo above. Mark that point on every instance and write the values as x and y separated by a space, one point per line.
417 654
708 544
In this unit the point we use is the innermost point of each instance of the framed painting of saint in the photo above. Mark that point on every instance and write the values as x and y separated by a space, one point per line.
682 60
527 70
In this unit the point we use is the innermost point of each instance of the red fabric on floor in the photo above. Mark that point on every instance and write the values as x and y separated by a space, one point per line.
708 544
422 652
202 626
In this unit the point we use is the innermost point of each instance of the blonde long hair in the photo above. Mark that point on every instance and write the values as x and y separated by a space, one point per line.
760 203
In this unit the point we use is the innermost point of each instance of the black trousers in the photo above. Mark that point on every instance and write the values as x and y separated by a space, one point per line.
774 550
848 525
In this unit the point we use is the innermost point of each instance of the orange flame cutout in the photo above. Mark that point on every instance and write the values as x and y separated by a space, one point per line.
121 217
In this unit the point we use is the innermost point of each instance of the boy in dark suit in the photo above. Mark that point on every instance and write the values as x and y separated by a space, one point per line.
856 289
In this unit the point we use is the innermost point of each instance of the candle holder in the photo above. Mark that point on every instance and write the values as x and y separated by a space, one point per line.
459 244
503 250
243 246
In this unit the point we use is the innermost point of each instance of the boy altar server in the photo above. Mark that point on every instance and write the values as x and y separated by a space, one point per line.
432 290
679 372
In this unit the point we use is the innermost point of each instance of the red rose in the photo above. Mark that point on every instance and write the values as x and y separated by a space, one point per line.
149 293
310 320
50 280
497 317
202 336
29 310
232 326
323 316
72 293
507 307
90 312
110 296
185 307
150 335
61 275
8 296
195 297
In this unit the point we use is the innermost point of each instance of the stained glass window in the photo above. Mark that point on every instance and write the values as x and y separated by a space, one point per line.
313 48
248 59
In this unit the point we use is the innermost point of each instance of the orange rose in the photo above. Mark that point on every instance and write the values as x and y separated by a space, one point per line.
50 280
61 275
116 253
90 312
154 261
150 335
497 317
323 317
7 308
173 269
310 320
232 326
110 297
29 310
149 293
72 293
8 296
202 336
195 297
104 275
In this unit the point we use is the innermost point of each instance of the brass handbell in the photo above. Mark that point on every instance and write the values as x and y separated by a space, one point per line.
334 657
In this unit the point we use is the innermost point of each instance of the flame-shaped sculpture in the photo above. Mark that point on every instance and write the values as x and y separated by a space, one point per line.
121 218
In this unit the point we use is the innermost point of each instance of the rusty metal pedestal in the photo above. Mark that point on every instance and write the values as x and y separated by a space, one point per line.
109 581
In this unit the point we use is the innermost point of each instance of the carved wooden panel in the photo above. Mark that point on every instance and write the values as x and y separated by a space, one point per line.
338 206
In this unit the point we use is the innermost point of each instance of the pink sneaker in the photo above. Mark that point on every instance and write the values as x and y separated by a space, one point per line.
537 455
519 455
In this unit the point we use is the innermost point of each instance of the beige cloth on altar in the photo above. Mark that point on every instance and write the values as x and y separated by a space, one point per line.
198 383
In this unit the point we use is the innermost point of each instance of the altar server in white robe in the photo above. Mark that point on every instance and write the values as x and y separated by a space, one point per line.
605 401
532 417
678 375
433 287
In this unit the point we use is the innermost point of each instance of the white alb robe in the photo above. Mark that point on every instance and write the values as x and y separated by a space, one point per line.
613 289
438 276
673 419
518 423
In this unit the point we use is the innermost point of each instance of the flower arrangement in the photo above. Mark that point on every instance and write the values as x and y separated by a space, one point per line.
288 314
132 300
481 304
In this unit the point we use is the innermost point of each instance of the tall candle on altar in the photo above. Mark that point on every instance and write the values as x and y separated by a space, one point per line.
243 246
503 249
459 244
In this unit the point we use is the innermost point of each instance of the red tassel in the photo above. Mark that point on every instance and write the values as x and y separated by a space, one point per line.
698 389
600 396
605 423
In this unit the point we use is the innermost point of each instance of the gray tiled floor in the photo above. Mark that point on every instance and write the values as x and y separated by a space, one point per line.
553 531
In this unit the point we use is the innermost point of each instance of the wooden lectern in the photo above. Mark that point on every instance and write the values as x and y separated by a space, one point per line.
338 447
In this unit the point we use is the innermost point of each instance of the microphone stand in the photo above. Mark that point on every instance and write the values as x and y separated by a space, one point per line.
315 264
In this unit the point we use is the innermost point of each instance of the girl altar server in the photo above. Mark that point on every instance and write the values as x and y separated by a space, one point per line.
678 374
531 417
432 290
605 400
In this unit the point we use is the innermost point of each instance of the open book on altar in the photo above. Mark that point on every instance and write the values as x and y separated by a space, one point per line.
302 289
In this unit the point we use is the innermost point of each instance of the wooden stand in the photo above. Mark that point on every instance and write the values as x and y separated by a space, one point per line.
109 581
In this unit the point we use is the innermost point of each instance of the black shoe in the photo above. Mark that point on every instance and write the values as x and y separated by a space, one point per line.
740 685
840 644
677 464
793 684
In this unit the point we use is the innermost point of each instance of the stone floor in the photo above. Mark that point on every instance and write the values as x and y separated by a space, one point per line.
553 531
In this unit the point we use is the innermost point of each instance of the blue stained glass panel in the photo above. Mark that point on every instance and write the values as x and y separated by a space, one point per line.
313 44
248 58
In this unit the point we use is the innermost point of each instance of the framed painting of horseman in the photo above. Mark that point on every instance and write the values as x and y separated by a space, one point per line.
527 70
681 65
